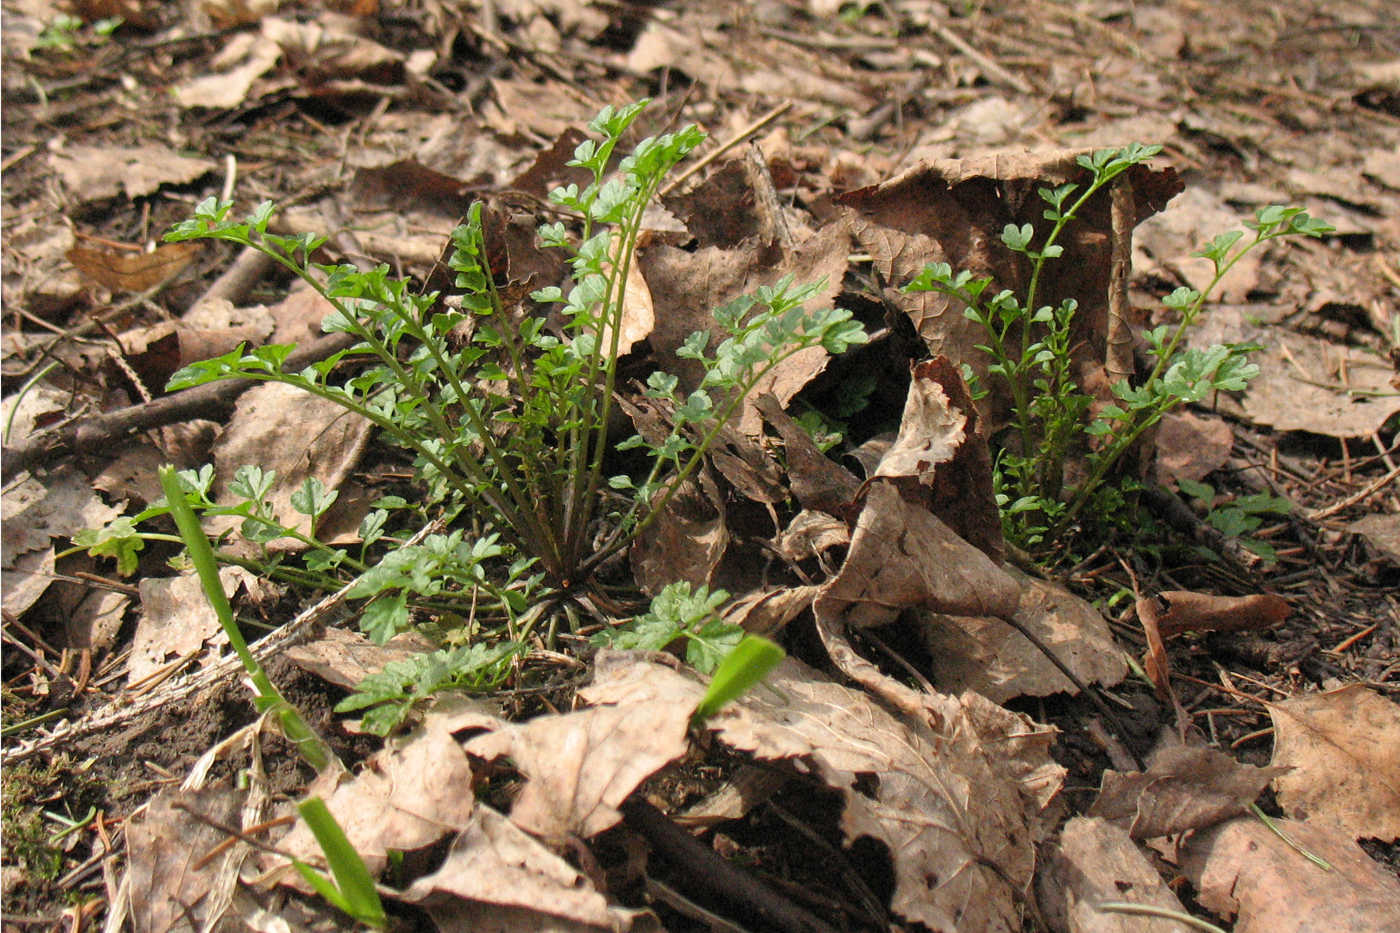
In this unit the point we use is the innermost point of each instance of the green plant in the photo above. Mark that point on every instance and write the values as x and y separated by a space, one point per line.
736 660
679 613
512 421
266 698
350 887
61 35
1029 345
505 411
1237 517
389 696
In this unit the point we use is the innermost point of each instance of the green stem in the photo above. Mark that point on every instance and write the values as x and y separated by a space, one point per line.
266 698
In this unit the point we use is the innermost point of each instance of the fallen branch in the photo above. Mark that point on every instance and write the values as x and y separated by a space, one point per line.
99 432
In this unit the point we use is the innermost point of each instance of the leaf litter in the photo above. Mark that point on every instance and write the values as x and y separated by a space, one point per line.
506 811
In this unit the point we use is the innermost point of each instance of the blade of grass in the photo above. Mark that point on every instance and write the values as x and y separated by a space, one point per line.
266 698
354 886
747 664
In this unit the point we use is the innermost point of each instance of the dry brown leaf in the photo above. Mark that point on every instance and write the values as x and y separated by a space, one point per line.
940 445
157 351
811 534
1305 383
581 766
1096 861
997 661
941 807
331 47
903 557
177 620
686 287
96 173
408 795
1182 789
1344 749
954 210
1175 612
686 542
495 877
232 73
1190 446
1165 245
164 846
1383 531
299 436
1241 868
817 481
132 271
345 658
766 611
34 514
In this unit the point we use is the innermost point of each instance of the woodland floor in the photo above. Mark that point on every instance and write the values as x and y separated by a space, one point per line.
378 123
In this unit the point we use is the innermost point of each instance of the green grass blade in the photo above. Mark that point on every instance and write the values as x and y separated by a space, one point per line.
307 742
352 879
746 665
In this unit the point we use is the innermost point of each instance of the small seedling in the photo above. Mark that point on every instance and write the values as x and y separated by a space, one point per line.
1029 346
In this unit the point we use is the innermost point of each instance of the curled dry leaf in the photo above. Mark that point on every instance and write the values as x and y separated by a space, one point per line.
940 444
496 877
1182 789
1174 612
579 767
941 803
409 795
1243 869
1343 748
954 210
903 557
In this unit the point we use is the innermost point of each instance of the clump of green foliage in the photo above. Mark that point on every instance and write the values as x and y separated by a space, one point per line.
505 414
1029 345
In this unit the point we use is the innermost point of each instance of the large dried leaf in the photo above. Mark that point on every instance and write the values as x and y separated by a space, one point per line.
686 287
997 661
496 877
903 557
1344 750
298 435
95 173
686 542
166 846
1305 383
1096 861
177 620
943 809
406 796
1242 868
580 766
1182 789
954 211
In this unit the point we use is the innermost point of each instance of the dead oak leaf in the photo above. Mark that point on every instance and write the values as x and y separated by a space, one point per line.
1243 869
1182 789
1344 750
580 766
942 805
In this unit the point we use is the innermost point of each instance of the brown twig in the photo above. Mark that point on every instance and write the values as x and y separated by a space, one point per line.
708 874
91 435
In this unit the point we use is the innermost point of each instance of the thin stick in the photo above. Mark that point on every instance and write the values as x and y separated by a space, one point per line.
743 134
